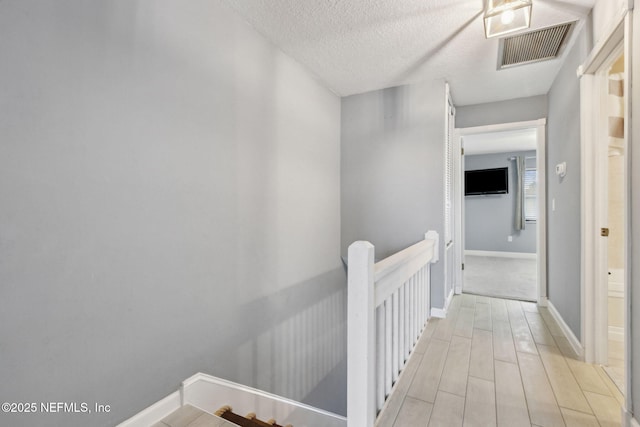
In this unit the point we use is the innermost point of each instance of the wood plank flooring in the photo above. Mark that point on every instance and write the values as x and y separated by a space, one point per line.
495 362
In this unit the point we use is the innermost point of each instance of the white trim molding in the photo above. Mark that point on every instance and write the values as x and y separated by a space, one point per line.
156 412
613 33
209 393
541 149
568 333
441 313
501 254
628 420
594 164
543 302
502 127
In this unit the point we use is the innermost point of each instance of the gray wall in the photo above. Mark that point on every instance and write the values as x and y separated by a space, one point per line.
563 224
169 203
392 170
514 110
490 219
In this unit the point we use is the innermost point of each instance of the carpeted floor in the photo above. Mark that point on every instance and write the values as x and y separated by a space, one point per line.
500 277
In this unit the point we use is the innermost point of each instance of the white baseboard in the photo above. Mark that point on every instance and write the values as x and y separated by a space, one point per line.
616 333
209 393
154 413
521 255
442 312
447 302
628 420
568 333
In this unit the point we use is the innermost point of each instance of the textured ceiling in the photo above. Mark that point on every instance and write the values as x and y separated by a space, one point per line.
355 46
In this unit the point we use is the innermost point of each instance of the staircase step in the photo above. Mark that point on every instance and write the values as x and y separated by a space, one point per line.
251 420
260 423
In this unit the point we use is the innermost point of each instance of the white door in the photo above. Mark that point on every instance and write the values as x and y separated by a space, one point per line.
449 205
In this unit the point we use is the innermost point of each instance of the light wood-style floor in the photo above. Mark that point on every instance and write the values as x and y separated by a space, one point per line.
616 363
495 362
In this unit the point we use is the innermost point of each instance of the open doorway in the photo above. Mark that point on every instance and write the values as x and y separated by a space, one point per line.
615 215
500 215
502 230
604 95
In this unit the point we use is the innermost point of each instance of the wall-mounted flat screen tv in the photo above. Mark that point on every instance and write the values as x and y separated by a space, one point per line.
486 181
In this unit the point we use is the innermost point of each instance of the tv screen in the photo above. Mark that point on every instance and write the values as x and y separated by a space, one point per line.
486 181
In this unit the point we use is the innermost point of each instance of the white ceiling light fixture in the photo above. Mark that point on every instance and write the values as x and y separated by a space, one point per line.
505 16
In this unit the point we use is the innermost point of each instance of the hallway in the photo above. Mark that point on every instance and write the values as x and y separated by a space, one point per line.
499 362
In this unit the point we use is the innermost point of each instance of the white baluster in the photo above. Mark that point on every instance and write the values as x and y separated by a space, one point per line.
401 326
381 338
388 346
396 337
412 314
423 292
416 320
380 356
427 288
407 320
428 285
420 298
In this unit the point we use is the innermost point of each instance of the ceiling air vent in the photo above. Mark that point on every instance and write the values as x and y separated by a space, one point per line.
533 46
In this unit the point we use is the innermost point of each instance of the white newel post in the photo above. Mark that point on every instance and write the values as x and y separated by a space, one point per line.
361 382
432 234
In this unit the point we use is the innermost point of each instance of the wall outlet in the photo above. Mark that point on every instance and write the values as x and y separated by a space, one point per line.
509 238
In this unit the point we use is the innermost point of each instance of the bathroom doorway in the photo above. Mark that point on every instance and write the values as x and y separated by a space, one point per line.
615 219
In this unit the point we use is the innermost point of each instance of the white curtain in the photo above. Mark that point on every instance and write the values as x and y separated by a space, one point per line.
519 195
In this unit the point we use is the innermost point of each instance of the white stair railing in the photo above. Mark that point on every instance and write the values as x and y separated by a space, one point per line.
388 307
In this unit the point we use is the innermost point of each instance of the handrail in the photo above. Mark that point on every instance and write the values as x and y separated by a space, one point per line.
391 272
388 305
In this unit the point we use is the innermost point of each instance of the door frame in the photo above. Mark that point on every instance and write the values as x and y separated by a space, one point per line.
541 240
594 296
450 254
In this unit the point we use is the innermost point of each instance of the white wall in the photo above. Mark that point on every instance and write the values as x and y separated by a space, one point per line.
170 203
393 169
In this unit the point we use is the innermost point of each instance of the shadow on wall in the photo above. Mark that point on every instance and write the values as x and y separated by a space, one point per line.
292 343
